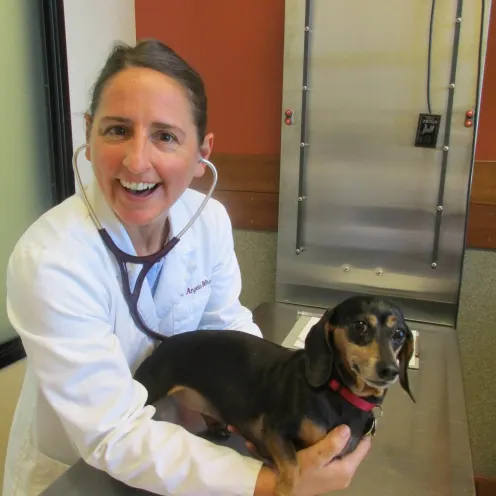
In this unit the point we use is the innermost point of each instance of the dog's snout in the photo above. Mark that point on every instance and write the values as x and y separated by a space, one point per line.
387 371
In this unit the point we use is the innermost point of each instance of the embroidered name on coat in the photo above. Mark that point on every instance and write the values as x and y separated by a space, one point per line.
193 290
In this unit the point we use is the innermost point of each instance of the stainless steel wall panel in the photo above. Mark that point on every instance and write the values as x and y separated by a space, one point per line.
368 221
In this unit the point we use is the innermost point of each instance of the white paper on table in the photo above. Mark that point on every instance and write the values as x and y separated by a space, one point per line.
299 342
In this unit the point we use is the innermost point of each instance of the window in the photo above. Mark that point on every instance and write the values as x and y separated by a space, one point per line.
36 140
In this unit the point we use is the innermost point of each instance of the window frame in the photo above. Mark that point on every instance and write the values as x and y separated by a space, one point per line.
59 122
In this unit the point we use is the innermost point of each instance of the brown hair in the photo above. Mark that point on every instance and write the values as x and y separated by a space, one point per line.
154 54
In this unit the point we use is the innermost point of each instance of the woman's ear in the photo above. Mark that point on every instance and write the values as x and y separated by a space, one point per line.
205 152
88 123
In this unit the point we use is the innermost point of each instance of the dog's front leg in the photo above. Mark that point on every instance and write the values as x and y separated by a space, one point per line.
283 454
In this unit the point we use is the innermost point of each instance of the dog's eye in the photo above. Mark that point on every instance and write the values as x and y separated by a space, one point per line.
399 335
360 327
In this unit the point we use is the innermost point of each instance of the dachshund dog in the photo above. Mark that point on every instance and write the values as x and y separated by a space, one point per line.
280 399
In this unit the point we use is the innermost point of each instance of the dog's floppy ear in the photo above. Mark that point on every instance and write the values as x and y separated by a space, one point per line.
318 353
405 355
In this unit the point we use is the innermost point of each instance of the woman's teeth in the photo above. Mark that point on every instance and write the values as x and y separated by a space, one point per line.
138 186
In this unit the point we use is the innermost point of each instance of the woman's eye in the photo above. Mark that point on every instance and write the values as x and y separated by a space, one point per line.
166 137
116 131
399 335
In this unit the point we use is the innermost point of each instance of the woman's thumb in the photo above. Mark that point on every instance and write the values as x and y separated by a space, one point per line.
329 447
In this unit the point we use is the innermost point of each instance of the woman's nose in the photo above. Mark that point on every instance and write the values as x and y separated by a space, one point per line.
137 155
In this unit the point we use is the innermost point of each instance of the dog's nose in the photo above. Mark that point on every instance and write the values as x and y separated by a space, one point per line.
387 372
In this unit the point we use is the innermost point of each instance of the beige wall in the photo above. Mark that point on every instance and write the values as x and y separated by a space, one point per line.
92 26
10 384
477 328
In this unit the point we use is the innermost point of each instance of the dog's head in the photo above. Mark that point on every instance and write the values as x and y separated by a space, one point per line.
368 338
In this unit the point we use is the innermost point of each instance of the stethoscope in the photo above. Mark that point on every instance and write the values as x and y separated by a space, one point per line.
147 261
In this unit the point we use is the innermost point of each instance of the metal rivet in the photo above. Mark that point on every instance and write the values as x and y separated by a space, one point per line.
303 144
298 251
434 265
301 198
346 268
307 28
379 272
305 88
445 148
458 19
452 85
439 208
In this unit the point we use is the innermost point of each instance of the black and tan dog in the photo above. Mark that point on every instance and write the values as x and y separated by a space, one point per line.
283 400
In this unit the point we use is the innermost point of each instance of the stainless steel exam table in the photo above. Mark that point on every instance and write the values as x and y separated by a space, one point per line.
419 449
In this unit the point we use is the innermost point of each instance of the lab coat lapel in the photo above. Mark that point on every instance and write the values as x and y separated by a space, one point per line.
179 265
119 235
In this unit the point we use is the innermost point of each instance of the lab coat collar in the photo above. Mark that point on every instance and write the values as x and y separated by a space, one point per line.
178 265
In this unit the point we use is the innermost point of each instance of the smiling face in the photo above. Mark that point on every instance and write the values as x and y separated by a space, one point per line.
144 146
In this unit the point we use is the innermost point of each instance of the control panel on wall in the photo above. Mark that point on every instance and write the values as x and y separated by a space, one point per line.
428 130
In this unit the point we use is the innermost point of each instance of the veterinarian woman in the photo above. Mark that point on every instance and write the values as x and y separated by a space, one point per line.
146 131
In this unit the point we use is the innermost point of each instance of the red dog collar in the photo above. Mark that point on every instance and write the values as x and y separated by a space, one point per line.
350 397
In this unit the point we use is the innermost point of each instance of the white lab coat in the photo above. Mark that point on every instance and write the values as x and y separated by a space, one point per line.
78 399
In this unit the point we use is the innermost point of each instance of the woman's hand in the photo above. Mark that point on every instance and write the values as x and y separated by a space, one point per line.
319 474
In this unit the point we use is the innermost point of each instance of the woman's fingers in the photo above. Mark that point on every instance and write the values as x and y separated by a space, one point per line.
324 452
321 472
360 452
328 448
341 472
